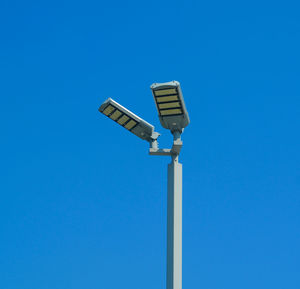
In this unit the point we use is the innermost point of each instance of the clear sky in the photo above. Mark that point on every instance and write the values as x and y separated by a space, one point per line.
82 203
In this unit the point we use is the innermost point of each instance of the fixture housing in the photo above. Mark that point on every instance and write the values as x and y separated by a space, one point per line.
128 120
170 105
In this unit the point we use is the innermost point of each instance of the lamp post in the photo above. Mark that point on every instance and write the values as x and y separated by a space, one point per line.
173 116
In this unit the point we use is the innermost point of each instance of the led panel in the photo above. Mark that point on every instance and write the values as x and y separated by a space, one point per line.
170 112
116 114
165 92
124 118
129 125
166 98
169 105
108 110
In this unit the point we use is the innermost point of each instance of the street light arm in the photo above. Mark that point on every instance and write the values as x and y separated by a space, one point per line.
174 151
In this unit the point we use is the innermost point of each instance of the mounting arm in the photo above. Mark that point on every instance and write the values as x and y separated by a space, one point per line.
174 151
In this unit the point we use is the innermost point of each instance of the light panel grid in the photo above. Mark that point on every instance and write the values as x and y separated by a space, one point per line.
120 117
168 101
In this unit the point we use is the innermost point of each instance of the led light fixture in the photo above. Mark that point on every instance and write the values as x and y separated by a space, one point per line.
170 105
128 120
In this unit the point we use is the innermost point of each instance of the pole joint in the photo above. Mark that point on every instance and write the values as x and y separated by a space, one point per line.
173 152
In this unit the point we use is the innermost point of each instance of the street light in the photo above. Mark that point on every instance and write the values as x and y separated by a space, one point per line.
173 116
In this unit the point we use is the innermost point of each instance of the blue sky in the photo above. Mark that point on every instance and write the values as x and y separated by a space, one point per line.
82 203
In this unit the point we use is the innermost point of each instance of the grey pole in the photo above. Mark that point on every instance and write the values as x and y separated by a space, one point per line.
174 212
174 225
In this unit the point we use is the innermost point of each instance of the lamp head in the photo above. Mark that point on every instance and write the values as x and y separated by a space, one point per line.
170 105
128 120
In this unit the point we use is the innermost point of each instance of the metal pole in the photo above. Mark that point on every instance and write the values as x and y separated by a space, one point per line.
174 225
